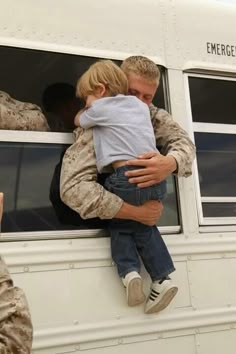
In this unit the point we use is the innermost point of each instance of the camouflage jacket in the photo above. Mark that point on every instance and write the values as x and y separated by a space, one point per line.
15 322
79 189
16 115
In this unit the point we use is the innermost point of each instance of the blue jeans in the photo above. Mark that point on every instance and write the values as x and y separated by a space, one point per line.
131 239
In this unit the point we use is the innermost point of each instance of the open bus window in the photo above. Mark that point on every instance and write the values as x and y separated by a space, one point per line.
41 95
45 83
26 173
213 113
26 176
44 80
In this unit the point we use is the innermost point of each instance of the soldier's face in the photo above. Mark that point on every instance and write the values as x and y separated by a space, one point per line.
141 88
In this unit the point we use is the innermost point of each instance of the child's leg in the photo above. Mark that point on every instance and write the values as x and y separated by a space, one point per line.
159 265
153 251
125 255
124 252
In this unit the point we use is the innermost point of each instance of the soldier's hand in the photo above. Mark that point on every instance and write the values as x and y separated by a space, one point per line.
149 213
156 168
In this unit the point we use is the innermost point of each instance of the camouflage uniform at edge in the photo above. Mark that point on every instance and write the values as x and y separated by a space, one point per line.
15 322
16 115
79 189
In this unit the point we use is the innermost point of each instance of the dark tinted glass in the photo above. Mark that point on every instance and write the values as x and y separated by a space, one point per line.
159 99
26 173
170 212
48 80
212 100
219 209
216 159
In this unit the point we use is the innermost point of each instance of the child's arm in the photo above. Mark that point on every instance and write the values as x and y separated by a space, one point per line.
77 117
86 118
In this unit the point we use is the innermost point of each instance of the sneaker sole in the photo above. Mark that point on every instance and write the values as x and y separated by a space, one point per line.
164 301
136 295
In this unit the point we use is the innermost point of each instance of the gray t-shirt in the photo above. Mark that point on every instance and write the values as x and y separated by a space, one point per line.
122 129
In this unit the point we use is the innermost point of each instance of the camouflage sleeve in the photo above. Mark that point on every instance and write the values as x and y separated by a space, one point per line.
15 321
17 115
173 140
22 120
78 183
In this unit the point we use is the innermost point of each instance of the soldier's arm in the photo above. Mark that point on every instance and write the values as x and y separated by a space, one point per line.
177 152
17 115
78 183
81 192
15 321
174 141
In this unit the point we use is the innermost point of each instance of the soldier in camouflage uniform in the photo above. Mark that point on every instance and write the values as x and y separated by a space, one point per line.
16 115
81 192
79 188
15 321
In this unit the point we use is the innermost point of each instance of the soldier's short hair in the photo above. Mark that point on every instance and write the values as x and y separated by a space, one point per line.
141 66
104 72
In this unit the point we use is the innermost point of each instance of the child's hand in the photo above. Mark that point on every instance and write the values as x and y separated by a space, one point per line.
77 117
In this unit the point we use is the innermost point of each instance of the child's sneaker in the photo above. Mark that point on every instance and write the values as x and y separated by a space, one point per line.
134 288
160 296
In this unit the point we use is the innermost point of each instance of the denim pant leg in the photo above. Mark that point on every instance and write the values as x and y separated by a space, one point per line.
123 248
154 253
147 240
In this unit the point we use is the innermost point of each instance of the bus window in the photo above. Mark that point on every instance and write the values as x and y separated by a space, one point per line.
213 114
45 79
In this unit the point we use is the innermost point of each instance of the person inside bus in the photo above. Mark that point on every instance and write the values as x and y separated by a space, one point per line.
60 100
16 329
79 187
122 130
18 115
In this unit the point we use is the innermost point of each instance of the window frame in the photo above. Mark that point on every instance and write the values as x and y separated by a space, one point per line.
225 223
17 136
11 136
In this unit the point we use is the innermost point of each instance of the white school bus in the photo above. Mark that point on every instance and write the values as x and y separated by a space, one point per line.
76 299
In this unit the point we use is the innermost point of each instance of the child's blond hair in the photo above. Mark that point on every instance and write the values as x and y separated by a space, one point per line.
141 66
104 72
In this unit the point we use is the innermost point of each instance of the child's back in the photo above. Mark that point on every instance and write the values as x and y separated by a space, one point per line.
122 128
